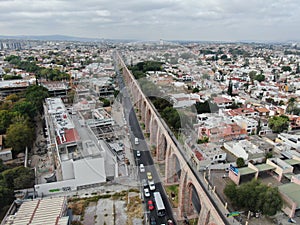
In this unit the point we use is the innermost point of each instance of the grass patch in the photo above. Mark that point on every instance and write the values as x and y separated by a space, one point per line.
134 190
193 221
134 209
172 192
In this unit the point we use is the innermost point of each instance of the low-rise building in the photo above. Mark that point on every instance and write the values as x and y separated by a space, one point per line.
222 102
290 195
244 149
74 157
51 211
249 124
291 140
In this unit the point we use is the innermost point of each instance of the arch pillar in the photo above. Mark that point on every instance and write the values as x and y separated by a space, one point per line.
143 111
153 131
171 170
148 117
161 146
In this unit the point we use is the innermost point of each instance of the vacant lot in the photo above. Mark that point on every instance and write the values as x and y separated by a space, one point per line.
108 209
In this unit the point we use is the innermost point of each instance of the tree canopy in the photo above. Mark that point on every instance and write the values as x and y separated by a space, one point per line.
141 68
259 77
19 136
206 107
31 67
240 162
36 95
11 179
254 196
278 123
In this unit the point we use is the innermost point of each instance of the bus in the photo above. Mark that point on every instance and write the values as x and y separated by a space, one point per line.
160 207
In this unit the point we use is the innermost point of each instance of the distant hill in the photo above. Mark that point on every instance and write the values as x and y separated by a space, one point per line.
63 38
50 38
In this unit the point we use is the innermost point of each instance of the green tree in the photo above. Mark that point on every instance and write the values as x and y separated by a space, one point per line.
230 88
271 202
2 166
19 136
203 140
116 93
36 95
252 75
12 98
12 77
298 68
230 190
240 162
105 101
5 120
206 107
195 90
19 177
254 196
6 196
25 108
71 95
291 105
259 77
278 123
286 68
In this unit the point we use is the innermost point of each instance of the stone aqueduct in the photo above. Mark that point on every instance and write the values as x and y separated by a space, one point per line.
168 152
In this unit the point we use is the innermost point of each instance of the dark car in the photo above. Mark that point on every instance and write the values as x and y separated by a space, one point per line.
152 221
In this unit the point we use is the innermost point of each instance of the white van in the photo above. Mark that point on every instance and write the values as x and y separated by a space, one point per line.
136 141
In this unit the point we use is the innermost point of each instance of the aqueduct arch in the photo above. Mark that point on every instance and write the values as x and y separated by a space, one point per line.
147 120
153 132
162 146
166 148
173 169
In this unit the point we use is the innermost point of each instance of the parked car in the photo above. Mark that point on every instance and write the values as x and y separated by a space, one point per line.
152 221
136 141
147 192
142 168
149 175
138 153
151 185
150 205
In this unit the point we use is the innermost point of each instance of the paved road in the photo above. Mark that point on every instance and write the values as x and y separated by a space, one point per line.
145 158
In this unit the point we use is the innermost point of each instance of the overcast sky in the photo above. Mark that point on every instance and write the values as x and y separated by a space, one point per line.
153 20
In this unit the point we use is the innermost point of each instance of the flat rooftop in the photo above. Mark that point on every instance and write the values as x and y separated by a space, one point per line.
291 190
40 211
264 167
292 162
246 171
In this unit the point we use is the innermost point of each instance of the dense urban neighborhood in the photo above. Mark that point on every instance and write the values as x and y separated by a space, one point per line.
124 132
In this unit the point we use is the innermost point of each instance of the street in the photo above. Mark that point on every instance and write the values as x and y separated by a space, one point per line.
145 158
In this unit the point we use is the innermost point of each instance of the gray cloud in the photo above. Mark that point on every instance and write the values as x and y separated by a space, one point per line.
142 19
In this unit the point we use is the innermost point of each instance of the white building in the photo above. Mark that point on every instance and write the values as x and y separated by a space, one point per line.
249 124
291 140
244 149
74 158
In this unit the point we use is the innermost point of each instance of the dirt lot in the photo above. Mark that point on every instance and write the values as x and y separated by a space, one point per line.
109 209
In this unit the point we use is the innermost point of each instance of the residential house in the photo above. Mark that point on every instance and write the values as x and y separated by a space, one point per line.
222 102
249 124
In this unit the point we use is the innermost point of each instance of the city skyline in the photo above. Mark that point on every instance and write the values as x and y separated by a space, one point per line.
217 20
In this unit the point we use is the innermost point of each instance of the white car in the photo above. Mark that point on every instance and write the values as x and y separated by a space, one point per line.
151 185
138 154
142 168
147 192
